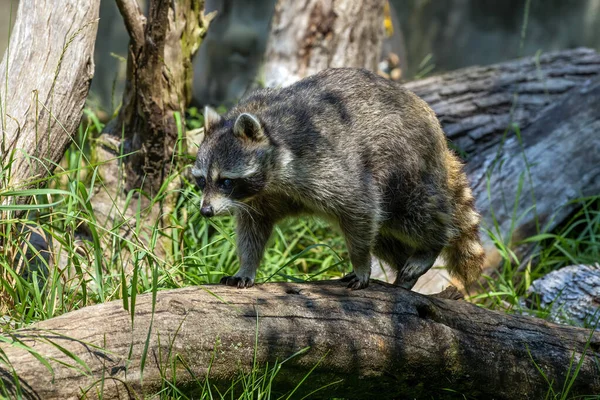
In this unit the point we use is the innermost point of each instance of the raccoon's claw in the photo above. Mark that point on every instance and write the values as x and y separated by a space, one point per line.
354 282
240 281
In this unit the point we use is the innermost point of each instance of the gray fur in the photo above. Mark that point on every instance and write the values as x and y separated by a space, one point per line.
349 146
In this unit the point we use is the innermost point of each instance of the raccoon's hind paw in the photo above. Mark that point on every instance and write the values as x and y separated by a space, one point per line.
239 281
354 282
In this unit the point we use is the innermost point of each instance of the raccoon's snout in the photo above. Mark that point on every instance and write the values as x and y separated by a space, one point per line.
207 211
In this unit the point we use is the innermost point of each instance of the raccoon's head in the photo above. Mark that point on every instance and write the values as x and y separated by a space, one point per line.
233 161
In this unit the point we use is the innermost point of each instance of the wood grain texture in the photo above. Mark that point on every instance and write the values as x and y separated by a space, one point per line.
45 77
308 36
382 342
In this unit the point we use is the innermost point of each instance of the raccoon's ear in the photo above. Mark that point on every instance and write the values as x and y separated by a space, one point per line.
211 118
248 126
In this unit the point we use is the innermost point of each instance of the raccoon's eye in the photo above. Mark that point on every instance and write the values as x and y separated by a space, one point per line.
201 182
226 183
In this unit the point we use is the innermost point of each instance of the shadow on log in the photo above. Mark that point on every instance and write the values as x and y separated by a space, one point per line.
382 342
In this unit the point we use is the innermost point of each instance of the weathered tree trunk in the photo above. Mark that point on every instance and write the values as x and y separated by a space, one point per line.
557 159
159 74
45 76
308 36
382 342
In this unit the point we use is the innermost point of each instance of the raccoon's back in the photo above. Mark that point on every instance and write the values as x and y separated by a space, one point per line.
352 115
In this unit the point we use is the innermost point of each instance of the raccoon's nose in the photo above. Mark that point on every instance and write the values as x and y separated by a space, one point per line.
207 211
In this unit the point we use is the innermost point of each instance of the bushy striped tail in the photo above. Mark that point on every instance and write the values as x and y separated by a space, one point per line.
464 255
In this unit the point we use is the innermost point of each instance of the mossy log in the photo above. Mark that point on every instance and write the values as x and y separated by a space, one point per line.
381 342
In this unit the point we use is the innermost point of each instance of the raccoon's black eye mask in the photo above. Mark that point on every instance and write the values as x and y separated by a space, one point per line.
225 184
243 188
231 187
201 182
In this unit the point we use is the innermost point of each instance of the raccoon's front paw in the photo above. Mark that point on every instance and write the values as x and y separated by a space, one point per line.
406 278
239 281
354 282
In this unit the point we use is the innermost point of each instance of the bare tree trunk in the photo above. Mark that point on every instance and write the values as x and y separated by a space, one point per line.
308 36
159 75
382 342
45 76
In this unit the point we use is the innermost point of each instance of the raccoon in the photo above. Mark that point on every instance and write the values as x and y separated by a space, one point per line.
354 148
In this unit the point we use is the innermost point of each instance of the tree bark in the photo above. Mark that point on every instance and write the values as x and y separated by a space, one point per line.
557 159
311 35
138 150
45 76
570 294
382 342
476 105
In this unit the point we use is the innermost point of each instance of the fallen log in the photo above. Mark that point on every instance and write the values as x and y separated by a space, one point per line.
526 185
476 105
382 342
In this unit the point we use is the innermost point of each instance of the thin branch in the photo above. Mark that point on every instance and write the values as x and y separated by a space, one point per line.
135 21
